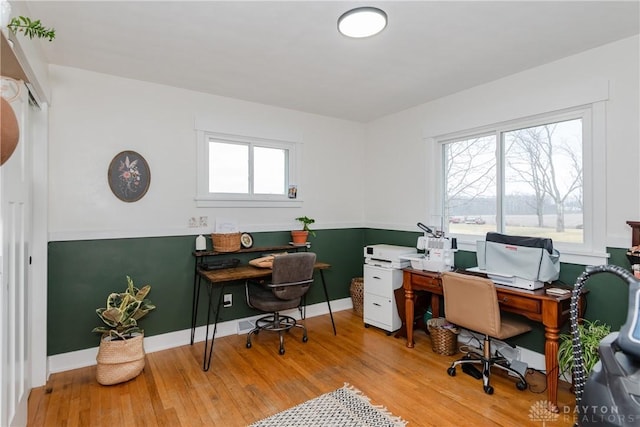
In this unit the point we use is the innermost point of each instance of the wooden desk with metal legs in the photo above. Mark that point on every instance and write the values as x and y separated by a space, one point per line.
218 279
551 311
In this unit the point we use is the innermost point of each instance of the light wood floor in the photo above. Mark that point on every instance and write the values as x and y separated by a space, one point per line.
245 385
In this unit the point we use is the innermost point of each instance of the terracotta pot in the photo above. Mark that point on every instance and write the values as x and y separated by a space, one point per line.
299 236
10 134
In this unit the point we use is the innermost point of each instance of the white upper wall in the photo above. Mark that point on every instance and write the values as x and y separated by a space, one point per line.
374 175
397 158
95 116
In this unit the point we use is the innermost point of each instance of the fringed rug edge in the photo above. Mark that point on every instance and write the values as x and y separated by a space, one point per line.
395 419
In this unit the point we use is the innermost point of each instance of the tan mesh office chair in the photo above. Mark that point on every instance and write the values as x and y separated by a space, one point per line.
471 302
291 278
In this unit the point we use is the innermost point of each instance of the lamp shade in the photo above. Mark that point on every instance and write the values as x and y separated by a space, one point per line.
362 22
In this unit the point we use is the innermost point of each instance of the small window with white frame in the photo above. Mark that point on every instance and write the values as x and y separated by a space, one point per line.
530 177
241 171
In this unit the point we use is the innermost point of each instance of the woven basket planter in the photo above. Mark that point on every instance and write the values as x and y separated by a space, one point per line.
10 131
444 340
357 295
120 360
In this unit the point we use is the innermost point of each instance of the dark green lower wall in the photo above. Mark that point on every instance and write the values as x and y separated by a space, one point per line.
82 274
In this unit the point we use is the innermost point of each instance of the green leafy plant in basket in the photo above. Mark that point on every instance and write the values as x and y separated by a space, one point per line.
591 333
123 311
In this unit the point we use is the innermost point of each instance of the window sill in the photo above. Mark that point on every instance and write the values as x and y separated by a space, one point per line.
203 202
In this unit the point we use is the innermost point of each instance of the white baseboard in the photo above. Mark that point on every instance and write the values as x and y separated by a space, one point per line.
534 359
83 358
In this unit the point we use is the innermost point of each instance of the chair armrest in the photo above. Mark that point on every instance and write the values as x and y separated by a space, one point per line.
282 285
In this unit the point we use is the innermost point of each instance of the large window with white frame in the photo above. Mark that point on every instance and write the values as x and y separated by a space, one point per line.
529 177
236 170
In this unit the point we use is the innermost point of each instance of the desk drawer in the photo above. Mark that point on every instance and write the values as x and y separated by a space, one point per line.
427 283
510 301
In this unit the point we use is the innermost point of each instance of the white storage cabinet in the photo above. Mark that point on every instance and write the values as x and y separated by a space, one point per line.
379 306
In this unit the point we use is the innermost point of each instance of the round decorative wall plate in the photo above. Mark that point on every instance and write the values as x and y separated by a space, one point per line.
129 176
246 240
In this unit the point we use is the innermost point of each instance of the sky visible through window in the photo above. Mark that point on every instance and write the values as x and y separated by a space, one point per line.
232 165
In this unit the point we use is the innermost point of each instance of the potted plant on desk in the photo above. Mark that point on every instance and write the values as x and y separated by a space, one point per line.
121 353
299 237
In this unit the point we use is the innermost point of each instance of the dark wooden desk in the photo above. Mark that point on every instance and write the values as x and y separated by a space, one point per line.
551 311
219 278
201 258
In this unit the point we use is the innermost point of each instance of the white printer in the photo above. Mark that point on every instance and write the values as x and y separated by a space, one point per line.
382 277
387 256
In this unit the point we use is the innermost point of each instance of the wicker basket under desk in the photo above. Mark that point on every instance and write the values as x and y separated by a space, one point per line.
444 340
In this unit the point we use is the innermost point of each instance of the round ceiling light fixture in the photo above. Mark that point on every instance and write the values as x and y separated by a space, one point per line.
362 22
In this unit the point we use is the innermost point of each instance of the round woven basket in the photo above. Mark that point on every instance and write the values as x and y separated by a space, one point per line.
227 242
119 360
444 340
357 295
10 131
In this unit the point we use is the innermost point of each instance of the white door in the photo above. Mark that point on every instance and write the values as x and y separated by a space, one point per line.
15 216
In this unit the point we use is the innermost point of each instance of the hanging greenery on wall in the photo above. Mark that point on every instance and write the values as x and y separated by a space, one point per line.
31 28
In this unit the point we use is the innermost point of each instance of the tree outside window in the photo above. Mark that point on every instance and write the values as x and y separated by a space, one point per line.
520 181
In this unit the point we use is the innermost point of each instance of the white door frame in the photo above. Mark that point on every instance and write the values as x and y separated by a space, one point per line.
23 275
39 245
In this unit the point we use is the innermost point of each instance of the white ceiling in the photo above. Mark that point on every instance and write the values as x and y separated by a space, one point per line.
289 53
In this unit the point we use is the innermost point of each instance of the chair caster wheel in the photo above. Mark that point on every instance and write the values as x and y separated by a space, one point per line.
281 351
451 372
521 385
488 389
305 339
248 345
366 325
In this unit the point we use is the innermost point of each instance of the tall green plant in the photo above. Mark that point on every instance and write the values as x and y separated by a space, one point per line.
591 333
123 311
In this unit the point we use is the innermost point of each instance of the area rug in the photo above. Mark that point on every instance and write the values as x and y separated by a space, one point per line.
345 407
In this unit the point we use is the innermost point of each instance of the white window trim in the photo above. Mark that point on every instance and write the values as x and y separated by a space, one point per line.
593 251
205 199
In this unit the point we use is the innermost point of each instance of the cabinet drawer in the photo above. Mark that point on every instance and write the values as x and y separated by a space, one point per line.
381 312
510 301
428 283
381 281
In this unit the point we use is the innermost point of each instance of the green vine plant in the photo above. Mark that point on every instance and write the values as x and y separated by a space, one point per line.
591 333
31 28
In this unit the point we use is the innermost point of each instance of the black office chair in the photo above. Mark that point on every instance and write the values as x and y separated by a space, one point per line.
290 281
471 302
